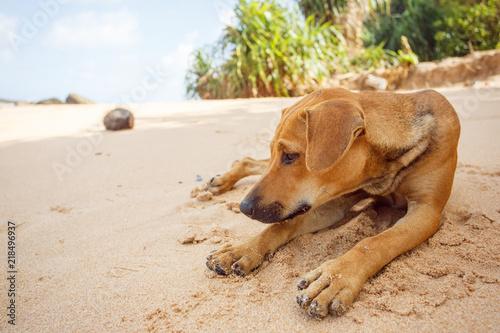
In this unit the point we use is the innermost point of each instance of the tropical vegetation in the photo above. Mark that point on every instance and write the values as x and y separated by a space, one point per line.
278 50
436 28
269 52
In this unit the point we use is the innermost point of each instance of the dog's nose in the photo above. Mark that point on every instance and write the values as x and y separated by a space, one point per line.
247 207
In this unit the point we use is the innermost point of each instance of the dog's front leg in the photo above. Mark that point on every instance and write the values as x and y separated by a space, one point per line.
333 286
240 169
246 255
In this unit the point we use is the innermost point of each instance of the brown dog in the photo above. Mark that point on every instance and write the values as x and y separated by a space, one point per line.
332 149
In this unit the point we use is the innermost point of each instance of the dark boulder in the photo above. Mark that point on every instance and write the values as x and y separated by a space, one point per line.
50 101
77 99
119 119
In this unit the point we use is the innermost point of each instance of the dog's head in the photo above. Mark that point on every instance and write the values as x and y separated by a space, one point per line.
317 154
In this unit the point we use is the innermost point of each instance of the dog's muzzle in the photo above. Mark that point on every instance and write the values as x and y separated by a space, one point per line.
271 213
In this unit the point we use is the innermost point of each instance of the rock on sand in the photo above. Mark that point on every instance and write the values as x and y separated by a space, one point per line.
77 99
119 119
50 101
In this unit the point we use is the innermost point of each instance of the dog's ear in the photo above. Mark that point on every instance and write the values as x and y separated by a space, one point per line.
332 127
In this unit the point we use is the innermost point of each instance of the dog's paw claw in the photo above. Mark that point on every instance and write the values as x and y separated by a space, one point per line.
237 269
315 310
303 300
337 308
214 265
219 270
235 259
209 257
302 284
219 184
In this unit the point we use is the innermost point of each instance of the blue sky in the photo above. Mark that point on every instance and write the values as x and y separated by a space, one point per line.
105 50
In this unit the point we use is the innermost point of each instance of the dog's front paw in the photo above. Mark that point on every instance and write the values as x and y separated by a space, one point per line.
329 288
218 185
240 259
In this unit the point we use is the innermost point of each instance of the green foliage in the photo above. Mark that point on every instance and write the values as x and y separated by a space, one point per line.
410 58
276 51
464 25
328 10
411 18
433 31
270 52
323 10
375 57
202 78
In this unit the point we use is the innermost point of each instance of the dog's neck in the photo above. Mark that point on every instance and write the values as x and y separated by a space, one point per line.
396 151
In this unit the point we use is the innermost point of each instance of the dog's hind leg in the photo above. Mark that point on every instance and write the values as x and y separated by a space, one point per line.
240 169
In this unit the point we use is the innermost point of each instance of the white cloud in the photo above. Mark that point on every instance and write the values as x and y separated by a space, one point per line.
170 71
90 30
86 72
175 64
90 65
128 58
225 11
8 25
6 56
99 1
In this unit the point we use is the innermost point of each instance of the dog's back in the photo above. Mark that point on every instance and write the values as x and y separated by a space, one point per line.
399 121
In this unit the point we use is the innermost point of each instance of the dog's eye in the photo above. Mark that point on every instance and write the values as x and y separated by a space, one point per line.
287 158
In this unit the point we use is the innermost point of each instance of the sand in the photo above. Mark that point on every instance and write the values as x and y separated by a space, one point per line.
108 238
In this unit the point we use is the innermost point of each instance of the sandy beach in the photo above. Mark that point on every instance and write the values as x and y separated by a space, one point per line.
108 238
